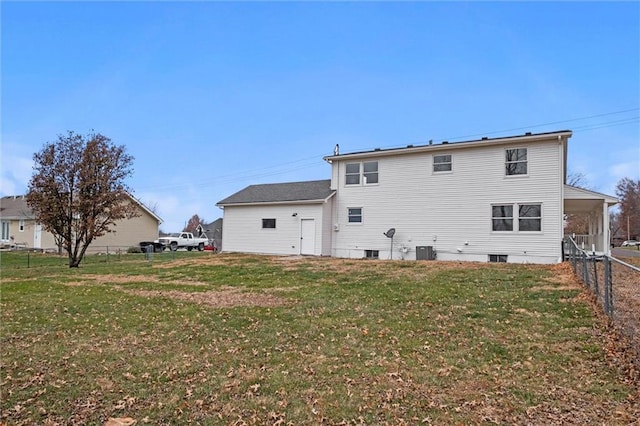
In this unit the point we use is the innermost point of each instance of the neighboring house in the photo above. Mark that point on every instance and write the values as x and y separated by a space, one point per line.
214 232
499 199
20 229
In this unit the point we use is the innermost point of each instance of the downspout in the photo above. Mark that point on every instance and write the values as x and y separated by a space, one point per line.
334 212
562 177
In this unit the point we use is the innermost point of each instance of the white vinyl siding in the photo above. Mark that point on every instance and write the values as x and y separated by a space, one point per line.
242 228
454 207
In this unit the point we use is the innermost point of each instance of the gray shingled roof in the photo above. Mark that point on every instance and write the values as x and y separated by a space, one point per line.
281 192
15 207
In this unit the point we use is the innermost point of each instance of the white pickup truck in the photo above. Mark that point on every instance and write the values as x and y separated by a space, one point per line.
182 239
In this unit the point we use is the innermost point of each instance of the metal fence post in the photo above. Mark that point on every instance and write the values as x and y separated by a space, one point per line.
596 290
608 287
585 270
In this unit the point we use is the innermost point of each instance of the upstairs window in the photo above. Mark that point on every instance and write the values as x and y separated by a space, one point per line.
441 163
353 174
516 161
370 172
365 173
21 225
268 223
355 214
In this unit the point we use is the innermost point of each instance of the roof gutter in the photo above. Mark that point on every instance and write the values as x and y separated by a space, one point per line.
446 146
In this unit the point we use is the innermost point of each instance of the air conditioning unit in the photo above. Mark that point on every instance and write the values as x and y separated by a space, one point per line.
336 227
425 253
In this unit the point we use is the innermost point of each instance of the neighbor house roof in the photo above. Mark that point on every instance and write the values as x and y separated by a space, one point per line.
16 207
280 193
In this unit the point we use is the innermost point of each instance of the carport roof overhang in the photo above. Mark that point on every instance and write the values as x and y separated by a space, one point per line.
578 200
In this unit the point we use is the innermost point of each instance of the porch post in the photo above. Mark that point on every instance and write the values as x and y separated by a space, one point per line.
606 243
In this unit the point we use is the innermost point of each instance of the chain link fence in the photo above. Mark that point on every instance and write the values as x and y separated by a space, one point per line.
33 258
615 285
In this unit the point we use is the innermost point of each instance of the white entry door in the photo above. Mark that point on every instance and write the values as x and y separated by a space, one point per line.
307 236
37 236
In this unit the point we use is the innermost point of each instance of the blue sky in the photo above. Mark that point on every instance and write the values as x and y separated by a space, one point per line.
210 97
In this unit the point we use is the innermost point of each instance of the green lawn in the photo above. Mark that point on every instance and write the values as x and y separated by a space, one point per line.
230 339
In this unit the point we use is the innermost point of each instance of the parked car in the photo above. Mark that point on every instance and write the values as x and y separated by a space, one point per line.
630 243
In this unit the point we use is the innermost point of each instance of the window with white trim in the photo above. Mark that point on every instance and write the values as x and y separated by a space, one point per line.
502 217
5 231
516 217
442 163
352 176
268 224
498 258
372 254
516 161
370 172
529 217
21 225
354 214
365 173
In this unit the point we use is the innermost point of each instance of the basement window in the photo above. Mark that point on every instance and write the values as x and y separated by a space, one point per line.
371 254
498 258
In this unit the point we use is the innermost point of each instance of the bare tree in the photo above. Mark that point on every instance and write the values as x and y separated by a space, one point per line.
628 191
77 191
579 180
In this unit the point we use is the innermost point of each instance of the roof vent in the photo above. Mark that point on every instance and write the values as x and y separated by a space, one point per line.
445 142
528 134
430 141
377 149
409 146
484 138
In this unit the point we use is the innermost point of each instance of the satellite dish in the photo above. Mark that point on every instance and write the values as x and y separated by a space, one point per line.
390 233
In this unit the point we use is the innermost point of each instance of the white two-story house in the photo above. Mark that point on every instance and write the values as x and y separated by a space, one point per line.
499 200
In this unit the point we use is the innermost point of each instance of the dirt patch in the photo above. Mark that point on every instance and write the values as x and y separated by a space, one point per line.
210 260
227 298
126 279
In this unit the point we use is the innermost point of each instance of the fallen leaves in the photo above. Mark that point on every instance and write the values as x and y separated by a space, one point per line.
120 421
